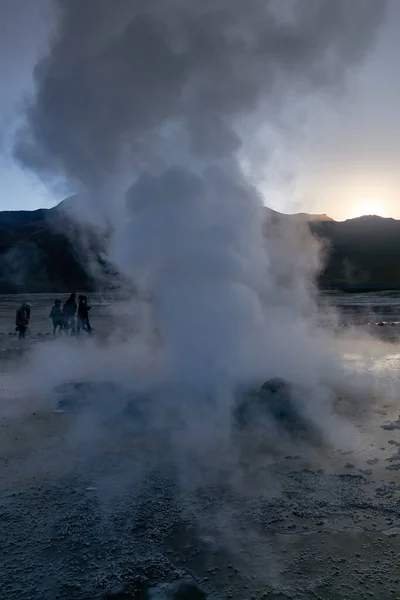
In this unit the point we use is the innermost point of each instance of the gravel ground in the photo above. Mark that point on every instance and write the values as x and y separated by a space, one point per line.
109 517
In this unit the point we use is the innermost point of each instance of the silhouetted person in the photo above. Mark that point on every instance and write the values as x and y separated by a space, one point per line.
69 312
22 319
83 315
57 317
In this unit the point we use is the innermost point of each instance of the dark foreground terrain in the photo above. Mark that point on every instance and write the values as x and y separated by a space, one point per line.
97 504
117 521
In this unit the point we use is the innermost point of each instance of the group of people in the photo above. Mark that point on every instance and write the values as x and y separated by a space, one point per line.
72 317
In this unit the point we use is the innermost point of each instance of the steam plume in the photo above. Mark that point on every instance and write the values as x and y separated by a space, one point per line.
145 109
138 85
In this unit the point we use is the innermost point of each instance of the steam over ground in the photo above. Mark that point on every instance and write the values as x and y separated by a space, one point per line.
150 112
155 113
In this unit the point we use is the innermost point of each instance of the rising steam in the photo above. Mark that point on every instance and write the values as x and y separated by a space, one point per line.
146 109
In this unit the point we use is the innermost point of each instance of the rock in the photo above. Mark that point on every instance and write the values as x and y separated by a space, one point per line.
210 543
274 399
278 396
109 400
117 593
189 591
73 397
178 590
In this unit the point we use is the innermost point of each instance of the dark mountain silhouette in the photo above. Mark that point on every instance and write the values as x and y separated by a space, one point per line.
46 250
363 253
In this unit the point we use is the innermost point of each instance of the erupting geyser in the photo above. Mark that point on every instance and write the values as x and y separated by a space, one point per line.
162 479
149 111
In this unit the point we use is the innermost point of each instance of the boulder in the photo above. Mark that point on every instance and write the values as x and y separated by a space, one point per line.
178 590
277 396
273 400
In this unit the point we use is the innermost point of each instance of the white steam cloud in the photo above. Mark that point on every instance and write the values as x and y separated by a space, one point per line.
151 112
146 109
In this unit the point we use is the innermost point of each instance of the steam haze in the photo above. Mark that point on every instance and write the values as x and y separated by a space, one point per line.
160 116
133 87
149 112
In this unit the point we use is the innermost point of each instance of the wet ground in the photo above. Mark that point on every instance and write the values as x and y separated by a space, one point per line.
365 308
109 517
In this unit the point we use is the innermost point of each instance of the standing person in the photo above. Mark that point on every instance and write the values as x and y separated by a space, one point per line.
83 315
57 317
22 318
69 312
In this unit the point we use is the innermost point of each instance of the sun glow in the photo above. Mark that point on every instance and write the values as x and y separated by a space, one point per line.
348 195
367 207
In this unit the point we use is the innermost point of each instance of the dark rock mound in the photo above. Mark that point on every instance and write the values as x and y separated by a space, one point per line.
277 395
180 590
274 400
108 401
76 396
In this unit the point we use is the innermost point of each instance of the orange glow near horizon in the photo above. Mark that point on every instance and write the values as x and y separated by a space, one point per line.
353 195
367 207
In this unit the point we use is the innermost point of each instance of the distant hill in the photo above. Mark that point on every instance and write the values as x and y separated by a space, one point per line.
312 218
45 250
364 253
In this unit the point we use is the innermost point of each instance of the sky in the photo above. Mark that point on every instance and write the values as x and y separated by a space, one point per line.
342 160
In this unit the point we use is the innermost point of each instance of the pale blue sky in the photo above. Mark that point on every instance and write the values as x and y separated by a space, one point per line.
24 27
349 165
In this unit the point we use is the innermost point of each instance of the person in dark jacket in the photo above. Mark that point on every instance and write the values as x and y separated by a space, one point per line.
83 315
69 312
22 319
57 317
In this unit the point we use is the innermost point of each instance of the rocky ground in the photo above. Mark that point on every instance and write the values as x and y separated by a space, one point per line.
108 516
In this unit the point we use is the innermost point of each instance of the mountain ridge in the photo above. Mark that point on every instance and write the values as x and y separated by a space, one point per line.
45 250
